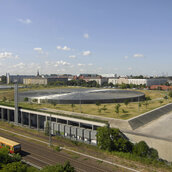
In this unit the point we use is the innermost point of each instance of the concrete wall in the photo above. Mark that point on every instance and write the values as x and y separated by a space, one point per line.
145 118
164 147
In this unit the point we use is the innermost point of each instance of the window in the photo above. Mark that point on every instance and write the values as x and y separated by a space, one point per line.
17 147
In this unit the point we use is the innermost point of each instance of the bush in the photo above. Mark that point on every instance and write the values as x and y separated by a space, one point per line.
112 139
142 149
15 167
59 168
57 148
26 99
153 153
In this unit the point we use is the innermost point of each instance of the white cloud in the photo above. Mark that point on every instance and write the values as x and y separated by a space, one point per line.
90 64
125 57
39 50
48 63
79 64
65 48
25 21
129 68
61 62
86 53
81 70
86 35
138 55
5 55
72 56
19 65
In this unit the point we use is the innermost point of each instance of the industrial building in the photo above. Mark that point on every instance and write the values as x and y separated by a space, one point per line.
43 81
19 78
93 77
148 82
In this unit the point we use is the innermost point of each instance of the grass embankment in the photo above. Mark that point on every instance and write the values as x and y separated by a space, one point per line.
105 110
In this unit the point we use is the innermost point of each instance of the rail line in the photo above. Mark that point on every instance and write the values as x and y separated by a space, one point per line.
68 158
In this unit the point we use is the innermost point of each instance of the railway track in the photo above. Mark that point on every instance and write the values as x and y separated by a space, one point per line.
42 156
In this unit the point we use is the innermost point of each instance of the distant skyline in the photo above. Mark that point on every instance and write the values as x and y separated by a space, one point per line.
124 37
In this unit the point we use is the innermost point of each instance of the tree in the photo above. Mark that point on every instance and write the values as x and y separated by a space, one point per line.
147 98
170 94
103 138
126 102
160 101
104 108
139 106
15 167
112 139
72 105
146 104
98 104
54 103
165 97
5 158
26 99
117 108
3 79
47 128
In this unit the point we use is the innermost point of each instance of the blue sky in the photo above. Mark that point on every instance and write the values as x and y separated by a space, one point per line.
92 36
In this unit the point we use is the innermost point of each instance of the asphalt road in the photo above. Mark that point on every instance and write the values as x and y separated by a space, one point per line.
38 154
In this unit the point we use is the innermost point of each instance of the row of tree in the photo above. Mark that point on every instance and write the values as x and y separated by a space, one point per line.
79 82
83 83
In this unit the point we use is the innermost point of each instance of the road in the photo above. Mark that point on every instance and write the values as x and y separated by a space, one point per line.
40 155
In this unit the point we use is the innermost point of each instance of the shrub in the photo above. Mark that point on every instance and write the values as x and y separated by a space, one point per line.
141 149
15 166
26 99
112 139
57 148
153 153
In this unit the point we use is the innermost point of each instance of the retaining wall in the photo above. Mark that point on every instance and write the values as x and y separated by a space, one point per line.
164 147
145 118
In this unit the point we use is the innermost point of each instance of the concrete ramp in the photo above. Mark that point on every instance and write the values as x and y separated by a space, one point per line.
145 118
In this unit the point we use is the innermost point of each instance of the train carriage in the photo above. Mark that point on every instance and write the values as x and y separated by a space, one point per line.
12 146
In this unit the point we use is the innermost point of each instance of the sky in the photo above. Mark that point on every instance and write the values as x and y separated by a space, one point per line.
123 37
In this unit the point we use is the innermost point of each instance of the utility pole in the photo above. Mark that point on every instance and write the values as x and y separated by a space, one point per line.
50 131
16 102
